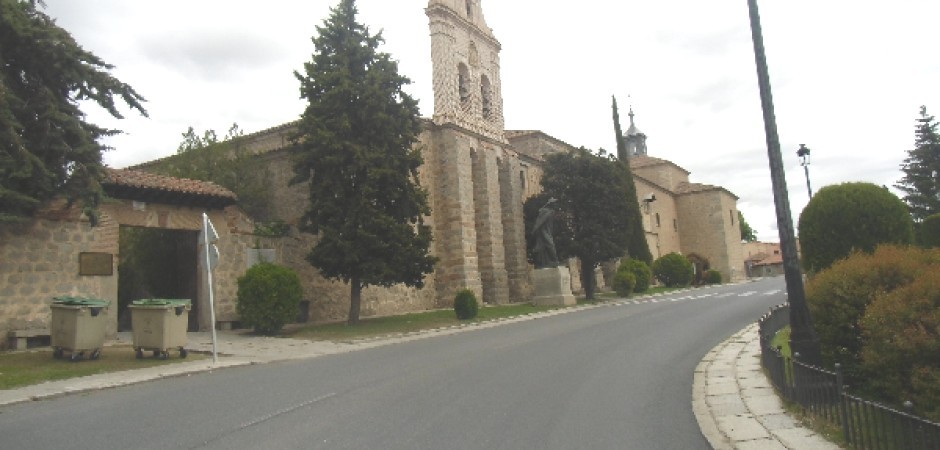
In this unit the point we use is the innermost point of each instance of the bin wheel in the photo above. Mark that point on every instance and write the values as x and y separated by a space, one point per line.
95 354
140 354
77 356
184 353
57 353
164 355
156 353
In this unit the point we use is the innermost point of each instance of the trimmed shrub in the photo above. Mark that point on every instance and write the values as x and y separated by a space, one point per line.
624 283
712 277
268 297
928 232
851 216
839 296
902 344
465 304
641 273
673 270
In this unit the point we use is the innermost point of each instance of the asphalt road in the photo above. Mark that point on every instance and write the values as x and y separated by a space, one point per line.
617 376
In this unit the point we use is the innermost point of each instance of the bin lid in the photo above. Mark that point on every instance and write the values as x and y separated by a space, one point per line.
81 301
162 302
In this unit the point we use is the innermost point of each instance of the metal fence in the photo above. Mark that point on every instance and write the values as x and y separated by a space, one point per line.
864 424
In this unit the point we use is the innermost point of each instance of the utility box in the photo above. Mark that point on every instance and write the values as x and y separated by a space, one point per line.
160 325
78 325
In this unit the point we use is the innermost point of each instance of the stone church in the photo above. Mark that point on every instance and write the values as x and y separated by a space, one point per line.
477 174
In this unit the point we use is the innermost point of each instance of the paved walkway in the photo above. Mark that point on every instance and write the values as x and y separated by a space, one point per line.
735 406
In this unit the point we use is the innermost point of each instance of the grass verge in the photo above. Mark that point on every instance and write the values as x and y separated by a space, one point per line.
30 367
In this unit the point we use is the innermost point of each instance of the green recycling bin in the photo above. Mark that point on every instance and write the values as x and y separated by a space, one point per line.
160 325
78 325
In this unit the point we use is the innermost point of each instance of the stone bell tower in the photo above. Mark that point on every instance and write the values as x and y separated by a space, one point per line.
465 57
474 175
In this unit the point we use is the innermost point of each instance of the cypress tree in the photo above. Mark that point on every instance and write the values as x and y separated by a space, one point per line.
355 146
638 248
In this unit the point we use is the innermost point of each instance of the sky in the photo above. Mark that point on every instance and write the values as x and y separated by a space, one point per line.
848 77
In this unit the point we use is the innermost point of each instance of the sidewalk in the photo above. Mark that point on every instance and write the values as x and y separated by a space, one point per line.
736 406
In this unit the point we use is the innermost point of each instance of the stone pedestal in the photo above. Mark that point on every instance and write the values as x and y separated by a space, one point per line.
553 287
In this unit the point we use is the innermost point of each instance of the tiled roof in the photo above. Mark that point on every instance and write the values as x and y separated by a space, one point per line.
689 188
140 185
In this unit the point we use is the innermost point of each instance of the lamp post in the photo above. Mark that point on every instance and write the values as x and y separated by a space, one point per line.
803 153
803 339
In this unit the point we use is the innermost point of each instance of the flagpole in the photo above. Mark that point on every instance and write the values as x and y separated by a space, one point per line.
207 244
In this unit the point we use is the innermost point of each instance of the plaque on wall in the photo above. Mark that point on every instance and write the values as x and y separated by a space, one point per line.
95 264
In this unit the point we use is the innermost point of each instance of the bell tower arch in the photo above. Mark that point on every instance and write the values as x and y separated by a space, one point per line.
465 60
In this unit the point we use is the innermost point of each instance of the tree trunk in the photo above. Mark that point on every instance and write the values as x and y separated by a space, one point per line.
587 279
355 301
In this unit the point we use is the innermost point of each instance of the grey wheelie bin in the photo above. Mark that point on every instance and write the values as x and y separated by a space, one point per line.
160 325
78 325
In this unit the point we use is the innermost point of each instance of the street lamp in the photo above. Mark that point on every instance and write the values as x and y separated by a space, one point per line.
803 338
803 153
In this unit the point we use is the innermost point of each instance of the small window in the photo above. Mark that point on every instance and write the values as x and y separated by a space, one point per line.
658 225
470 9
675 225
522 179
731 213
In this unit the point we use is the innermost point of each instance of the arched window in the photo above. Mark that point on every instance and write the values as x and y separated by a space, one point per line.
463 84
486 92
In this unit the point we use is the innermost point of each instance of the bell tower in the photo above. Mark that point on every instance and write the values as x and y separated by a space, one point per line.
465 58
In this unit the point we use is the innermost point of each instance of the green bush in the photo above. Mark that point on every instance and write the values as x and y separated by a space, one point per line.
465 304
673 270
928 232
712 277
901 344
839 296
624 283
851 216
641 273
268 297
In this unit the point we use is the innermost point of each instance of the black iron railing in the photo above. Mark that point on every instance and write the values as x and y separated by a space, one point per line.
865 424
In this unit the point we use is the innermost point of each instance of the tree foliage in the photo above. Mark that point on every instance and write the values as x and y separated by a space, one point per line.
592 213
851 216
356 148
928 232
747 233
46 146
921 181
226 162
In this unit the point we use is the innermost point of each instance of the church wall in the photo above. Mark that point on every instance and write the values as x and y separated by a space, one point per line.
662 236
511 180
711 216
489 228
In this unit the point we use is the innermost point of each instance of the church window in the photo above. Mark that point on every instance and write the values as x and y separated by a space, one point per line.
487 95
675 225
463 84
658 224
731 213
470 9
522 179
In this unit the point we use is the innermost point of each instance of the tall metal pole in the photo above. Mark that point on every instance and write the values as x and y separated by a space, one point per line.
803 339
809 189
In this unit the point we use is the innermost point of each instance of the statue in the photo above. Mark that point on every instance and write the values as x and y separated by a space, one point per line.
545 255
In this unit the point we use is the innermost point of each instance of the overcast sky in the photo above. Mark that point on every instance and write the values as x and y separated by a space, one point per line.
848 76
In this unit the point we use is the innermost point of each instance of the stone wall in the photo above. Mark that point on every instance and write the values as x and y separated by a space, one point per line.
712 216
660 219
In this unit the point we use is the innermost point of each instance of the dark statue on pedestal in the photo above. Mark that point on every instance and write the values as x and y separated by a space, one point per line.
545 255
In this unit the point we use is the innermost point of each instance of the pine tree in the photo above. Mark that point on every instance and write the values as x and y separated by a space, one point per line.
356 148
638 248
47 148
921 181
